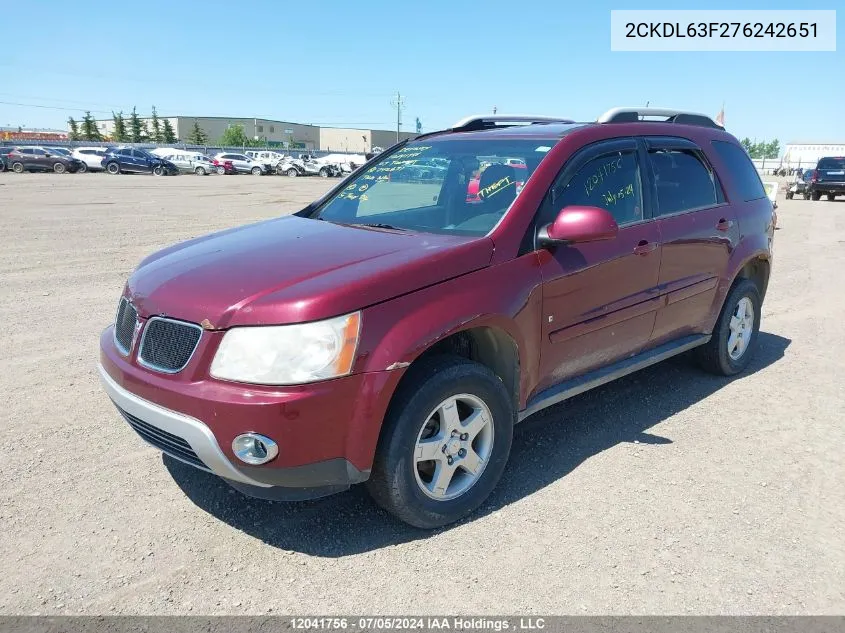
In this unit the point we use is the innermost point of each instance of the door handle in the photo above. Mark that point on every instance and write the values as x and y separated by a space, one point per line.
724 225
644 247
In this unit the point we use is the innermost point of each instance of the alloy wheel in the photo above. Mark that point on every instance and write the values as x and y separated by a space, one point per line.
741 328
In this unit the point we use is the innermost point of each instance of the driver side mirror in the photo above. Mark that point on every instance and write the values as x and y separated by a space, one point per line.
577 224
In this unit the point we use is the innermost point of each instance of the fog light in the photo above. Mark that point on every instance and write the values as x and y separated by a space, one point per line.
254 449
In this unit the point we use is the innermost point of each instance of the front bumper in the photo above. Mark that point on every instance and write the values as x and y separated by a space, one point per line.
163 428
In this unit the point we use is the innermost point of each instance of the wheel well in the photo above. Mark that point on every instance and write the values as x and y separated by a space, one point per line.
489 346
757 270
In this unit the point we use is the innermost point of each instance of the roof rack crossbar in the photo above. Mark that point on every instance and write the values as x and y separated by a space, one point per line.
632 114
482 121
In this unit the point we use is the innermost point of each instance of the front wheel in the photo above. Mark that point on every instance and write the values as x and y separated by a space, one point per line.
730 348
816 196
831 196
199 171
789 195
324 172
256 171
292 173
158 170
83 167
221 171
445 442
59 168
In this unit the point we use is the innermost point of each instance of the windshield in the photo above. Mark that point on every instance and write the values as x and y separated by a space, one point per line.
452 186
831 163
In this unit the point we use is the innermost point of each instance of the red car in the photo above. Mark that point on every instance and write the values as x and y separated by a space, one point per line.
224 167
393 333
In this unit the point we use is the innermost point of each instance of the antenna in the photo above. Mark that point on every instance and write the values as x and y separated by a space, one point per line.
399 104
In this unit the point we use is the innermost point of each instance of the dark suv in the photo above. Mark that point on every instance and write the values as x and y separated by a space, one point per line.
132 160
22 159
828 178
395 330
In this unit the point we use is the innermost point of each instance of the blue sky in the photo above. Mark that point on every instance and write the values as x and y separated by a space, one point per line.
339 63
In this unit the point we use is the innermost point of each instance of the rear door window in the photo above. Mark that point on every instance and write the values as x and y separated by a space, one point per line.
745 176
682 180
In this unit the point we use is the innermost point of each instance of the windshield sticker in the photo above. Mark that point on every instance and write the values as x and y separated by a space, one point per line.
496 187
543 148
598 176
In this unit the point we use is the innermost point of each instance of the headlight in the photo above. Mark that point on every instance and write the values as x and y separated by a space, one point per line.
288 354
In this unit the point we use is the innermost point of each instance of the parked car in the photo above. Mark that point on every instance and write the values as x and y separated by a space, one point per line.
187 162
4 158
828 178
224 167
799 185
307 166
35 158
244 164
393 333
133 160
267 157
91 156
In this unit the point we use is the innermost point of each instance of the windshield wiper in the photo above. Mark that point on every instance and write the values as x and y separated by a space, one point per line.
379 225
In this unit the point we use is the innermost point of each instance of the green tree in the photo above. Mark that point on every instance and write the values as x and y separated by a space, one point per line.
156 135
773 149
135 128
73 130
197 135
119 134
167 133
89 128
746 143
234 136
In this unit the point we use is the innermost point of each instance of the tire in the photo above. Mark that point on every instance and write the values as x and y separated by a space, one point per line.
17 168
716 356
256 171
83 168
221 171
404 485
292 173
324 172
816 196
789 195
831 196
806 195
113 168
199 171
59 168
158 170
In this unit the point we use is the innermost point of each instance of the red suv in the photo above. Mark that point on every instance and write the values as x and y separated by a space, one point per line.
393 332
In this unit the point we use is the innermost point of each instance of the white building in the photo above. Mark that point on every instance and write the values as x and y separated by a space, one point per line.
808 154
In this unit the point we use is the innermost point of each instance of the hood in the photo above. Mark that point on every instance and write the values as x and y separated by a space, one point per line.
291 270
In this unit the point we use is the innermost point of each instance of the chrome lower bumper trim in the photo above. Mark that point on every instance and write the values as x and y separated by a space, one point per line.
194 432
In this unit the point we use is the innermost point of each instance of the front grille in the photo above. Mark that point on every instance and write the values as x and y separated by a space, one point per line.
168 443
168 345
124 325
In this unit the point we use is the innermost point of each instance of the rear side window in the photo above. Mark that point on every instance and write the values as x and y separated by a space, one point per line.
683 182
831 163
748 183
612 182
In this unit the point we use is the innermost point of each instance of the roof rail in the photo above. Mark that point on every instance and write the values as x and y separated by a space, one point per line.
630 115
485 121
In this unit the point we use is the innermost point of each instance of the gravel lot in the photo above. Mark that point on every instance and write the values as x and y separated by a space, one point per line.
667 492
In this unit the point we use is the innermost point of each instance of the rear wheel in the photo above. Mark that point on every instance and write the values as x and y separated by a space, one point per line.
17 168
730 348
292 173
445 442
59 168
256 171
113 168
324 172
